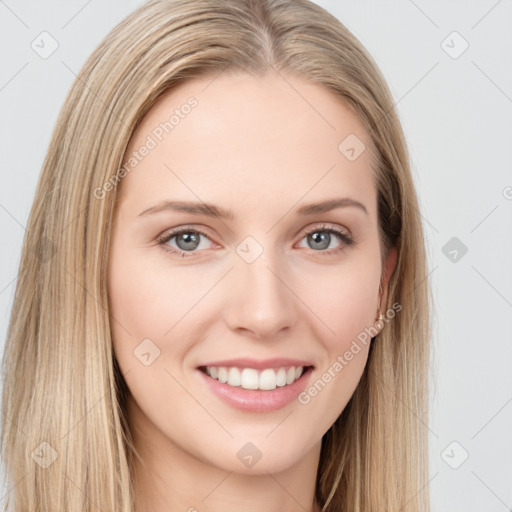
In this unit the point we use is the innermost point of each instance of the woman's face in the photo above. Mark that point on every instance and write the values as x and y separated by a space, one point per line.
260 283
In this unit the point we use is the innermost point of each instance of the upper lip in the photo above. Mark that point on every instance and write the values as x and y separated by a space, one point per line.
259 364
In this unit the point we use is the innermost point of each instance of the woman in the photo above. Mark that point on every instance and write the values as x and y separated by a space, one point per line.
179 340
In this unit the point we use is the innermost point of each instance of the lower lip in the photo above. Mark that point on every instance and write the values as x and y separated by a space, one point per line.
255 400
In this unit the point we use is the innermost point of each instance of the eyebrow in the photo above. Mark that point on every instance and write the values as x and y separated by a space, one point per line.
212 210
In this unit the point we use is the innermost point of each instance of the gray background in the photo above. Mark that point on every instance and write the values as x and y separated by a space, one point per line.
456 108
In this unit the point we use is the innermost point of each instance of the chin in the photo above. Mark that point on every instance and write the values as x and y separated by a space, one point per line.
261 454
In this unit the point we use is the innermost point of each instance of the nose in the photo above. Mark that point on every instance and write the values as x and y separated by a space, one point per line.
262 302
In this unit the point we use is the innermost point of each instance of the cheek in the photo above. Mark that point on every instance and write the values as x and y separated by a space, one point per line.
146 304
345 300
347 306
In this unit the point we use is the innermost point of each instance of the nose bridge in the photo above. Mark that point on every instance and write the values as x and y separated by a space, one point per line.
261 301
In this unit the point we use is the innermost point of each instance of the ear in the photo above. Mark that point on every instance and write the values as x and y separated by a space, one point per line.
388 269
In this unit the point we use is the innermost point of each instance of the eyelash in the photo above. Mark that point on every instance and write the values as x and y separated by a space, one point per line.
162 240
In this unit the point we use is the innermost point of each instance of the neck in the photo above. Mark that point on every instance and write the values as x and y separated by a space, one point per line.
169 479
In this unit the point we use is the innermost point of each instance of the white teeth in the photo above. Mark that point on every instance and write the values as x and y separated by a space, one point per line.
234 377
223 375
249 378
281 377
268 379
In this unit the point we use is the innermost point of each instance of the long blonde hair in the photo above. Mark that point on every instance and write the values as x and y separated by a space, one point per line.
65 441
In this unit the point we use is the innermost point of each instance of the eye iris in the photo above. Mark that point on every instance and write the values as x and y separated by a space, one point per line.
321 237
188 238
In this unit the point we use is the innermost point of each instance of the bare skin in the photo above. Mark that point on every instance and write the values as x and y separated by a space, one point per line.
263 149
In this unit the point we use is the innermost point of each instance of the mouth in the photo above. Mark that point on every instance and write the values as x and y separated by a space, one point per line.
256 385
262 379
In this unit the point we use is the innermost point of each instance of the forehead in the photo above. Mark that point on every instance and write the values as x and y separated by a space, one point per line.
244 139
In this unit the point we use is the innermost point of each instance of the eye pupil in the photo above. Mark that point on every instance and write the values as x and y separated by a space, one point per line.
188 241
188 238
321 237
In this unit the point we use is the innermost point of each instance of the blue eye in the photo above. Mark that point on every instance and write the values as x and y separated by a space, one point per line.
185 244
322 236
188 239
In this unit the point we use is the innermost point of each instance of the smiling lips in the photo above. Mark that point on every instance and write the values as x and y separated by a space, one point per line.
256 374
256 386
251 378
